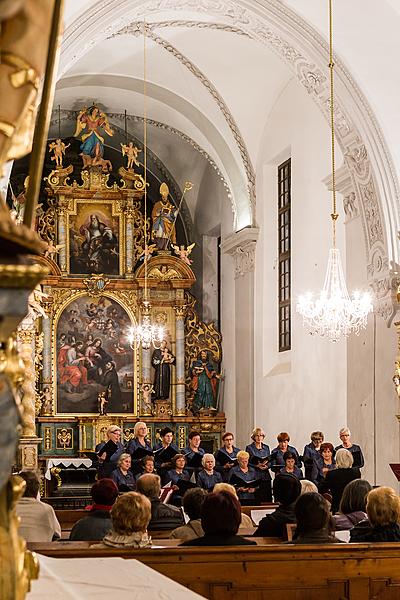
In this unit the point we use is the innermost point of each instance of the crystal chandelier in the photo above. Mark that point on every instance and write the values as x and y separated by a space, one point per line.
145 334
334 314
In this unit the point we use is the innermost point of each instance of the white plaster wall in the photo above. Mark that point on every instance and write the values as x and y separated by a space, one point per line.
303 389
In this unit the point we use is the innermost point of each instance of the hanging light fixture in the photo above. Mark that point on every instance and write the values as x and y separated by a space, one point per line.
334 314
145 334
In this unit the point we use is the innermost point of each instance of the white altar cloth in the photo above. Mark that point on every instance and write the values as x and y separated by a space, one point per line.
66 462
103 579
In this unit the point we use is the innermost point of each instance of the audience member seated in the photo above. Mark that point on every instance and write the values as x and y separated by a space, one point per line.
207 477
325 464
225 457
123 475
38 520
245 474
220 520
314 522
311 453
174 475
246 522
277 461
259 459
192 503
287 489
383 510
130 516
147 465
107 461
163 516
290 465
139 446
352 508
358 458
308 486
98 521
336 480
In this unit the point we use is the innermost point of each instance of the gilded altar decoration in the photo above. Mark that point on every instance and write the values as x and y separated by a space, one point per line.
163 218
163 273
58 148
96 284
93 121
52 250
64 438
131 152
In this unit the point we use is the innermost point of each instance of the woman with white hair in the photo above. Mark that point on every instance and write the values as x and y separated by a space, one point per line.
345 436
207 477
336 480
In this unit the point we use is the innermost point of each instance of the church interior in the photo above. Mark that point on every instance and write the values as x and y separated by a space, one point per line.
199 239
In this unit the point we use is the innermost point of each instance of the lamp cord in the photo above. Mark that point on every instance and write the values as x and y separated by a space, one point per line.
334 214
145 153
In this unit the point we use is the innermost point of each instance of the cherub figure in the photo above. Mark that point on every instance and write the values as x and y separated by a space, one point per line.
147 390
131 152
147 252
58 148
184 253
102 403
46 401
52 250
35 309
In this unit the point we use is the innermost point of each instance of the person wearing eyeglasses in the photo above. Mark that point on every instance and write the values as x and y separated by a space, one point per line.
226 456
311 453
260 460
345 436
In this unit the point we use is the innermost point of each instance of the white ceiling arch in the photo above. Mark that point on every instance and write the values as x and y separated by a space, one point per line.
305 52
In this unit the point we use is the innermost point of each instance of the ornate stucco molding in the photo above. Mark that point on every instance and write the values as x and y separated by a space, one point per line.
242 247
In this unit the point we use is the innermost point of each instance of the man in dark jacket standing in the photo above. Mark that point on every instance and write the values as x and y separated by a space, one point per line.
287 489
163 516
98 522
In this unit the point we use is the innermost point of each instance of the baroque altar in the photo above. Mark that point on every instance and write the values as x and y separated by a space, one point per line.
88 374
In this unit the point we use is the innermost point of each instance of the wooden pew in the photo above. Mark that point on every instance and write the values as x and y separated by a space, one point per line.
269 572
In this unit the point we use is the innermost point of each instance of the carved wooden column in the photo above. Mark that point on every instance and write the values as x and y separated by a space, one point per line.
62 238
129 214
180 359
241 246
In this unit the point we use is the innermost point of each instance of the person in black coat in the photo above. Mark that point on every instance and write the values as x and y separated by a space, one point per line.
336 480
287 489
383 510
163 516
98 521
220 519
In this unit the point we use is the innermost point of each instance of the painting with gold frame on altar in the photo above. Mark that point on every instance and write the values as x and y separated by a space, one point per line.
92 356
94 238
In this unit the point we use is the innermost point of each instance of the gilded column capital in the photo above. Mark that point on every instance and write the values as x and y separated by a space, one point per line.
180 311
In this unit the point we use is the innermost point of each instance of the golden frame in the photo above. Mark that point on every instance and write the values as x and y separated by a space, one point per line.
116 211
118 297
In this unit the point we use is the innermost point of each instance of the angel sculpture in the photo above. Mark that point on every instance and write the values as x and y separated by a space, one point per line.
35 308
147 390
52 250
148 252
131 152
58 148
184 253
92 147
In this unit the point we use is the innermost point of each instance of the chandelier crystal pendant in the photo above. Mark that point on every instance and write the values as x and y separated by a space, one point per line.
333 313
145 334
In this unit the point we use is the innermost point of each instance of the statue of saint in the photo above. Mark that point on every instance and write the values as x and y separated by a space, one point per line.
204 382
92 147
161 360
163 216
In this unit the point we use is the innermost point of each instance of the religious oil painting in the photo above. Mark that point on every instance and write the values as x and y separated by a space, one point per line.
94 236
94 362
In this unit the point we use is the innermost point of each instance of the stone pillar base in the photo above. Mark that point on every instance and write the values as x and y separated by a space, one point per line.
28 453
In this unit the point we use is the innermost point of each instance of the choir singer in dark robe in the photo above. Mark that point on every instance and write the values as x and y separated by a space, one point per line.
161 360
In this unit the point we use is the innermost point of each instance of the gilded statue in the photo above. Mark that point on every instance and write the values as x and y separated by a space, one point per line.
92 119
183 252
131 152
163 216
58 149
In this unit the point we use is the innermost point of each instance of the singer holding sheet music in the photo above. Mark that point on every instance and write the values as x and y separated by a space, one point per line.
175 475
109 451
207 477
358 458
259 459
164 449
225 457
193 453
242 475
139 446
